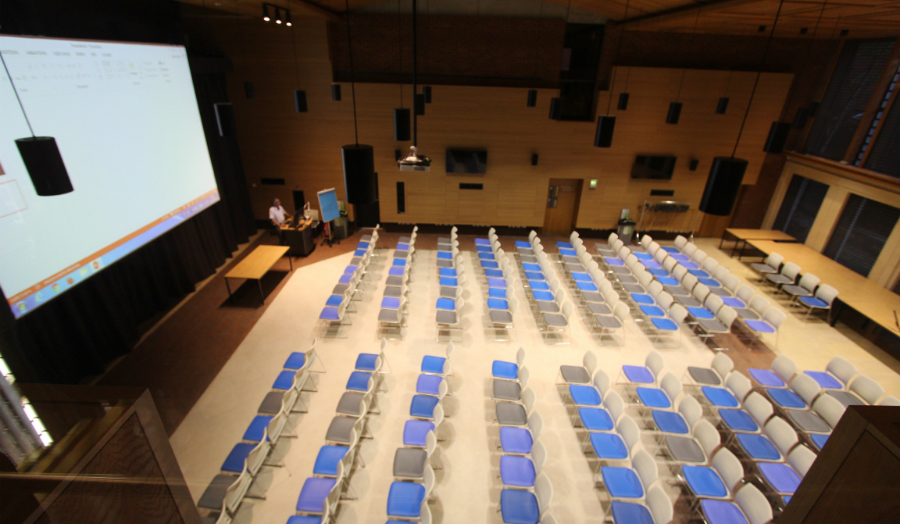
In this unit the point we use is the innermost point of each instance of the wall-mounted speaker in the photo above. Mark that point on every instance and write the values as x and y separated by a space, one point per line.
300 101
723 185
555 108
722 106
336 92
45 166
532 97
401 125
359 173
397 154
426 92
693 164
778 134
800 118
249 90
419 104
401 197
605 127
534 159
225 119
674 113
623 101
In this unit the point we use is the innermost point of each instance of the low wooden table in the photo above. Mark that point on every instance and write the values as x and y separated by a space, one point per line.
741 236
856 291
256 265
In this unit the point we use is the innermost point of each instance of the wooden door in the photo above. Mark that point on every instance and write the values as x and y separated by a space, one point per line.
563 197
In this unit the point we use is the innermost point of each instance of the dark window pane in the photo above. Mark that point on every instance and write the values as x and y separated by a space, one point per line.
861 232
858 70
800 206
885 155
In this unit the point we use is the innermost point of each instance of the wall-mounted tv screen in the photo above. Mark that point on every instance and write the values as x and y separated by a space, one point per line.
657 167
467 161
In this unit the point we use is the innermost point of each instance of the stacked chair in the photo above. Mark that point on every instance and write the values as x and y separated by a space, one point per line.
394 307
415 462
527 491
238 473
330 481
335 313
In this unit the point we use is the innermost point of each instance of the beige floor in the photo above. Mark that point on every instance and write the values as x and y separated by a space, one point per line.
467 489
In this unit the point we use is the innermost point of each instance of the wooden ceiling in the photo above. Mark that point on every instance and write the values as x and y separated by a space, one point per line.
798 18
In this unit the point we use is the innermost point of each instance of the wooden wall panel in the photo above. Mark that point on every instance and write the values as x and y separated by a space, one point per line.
305 148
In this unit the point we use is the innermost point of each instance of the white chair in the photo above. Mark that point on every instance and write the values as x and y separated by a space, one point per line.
823 300
771 265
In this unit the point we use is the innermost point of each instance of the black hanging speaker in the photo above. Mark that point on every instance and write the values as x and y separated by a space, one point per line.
534 159
674 113
623 101
723 185
426 92
777 137
45 165
336 92
605 127
359 173
401 125
532 97
419 104
555 108
225 119
722 106
800 118
300 101
693 164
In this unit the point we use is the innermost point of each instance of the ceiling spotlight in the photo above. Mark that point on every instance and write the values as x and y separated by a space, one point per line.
266 13
277 16
287 18
761 29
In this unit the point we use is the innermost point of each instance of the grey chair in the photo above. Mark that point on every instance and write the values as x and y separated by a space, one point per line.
579 374
787 275
515 413
771 265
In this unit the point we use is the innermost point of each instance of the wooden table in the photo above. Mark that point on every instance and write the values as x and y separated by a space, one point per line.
856 291
743 235
256 265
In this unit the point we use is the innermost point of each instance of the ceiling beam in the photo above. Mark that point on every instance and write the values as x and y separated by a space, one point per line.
682 11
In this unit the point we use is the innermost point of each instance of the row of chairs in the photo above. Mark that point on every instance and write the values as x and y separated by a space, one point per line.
500 303
451 277
415 462
527 491
335 313
809 292
322 493
392 315
239 471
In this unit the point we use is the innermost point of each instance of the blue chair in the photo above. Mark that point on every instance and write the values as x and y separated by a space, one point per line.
408 499
447 272
658 509
520 471
415 432
482 242
645 374
313 495
662 397
524 507
518 440
437 365
750 506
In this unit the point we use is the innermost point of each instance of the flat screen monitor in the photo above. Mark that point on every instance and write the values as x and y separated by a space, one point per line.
329 205
658 167
469 161
127 127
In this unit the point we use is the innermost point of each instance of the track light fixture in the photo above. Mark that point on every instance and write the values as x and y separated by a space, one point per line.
278 16
281 15
266 17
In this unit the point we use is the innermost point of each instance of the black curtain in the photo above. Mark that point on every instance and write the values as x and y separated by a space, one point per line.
78 333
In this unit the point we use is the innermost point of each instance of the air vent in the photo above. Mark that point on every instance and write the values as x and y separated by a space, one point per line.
662 192
477 187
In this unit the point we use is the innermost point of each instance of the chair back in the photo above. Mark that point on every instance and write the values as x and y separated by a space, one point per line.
889 400
528 399
689 249
806 387
258 454
645 240
842 369
655 288
646 467
532 235
589 361
543 492
731 282
713 303
535 425
428 480
567 309
276 426
710 264
678 313
660 505
774 316
867 389
430 443
699 256
654 363
700 292
745 293
754 504
660 255
738 384
760 304
234 493
523 376
729 468
614 404
690 409
672 386
669 264
610 297
721 273
621 312
628 429
689 282
520 356
707 435
680 242
664 300
782 434
612 238
774 260
722 365
809 282
538 455
759 408
601 382
790 270
830 409
438 416
826 294
678 271
645 278
801 459
727 315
